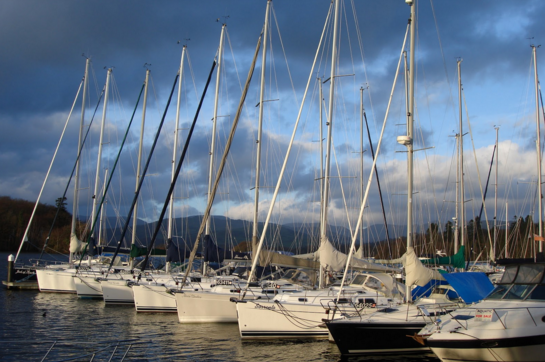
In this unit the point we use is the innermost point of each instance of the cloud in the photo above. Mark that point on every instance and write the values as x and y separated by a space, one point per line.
42 67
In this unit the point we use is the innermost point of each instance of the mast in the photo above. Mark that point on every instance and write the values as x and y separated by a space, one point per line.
255 237
102 208
407 141
321 95
100 142
461 221
76 176
175 151
214 123
330 122
457 199
506 230
139 163
538 147
361 166
496 197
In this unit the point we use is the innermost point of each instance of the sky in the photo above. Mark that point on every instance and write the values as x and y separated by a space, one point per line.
45 46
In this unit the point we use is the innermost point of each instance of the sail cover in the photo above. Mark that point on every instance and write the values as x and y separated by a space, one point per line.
334 260
458 260
297 261
174 255
415 272
214 254
76 245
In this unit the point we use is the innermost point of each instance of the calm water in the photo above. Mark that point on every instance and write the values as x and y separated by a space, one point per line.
32 322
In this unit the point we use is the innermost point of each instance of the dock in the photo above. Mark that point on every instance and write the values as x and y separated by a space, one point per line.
23 285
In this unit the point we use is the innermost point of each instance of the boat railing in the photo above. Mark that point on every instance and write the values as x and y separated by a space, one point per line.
40 263
485 314
432 312
350 305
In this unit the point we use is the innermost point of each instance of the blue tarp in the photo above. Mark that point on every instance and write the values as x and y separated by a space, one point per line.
215 254
471 286
425 291
174 254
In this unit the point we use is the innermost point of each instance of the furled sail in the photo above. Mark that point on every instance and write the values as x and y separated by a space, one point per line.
76 245
415 272
458 260
334 260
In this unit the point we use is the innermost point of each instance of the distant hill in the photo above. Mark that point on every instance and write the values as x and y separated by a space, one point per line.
228 232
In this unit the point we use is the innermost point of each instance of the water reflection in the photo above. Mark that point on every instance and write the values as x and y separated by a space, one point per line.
33 322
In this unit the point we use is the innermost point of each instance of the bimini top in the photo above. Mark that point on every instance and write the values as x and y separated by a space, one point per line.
471 286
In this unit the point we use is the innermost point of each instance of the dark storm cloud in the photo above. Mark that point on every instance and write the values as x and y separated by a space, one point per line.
41 67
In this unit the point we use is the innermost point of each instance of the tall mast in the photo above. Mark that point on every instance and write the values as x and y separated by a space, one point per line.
457 199
496 198
321 95
259 130
175 146
407 141
461 150
506 230
361 166
139 164
100 142
102 211
410 127
76 176
214 122
330 122
538 147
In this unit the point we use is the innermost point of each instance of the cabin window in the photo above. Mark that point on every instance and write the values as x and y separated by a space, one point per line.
359 279
530 274
538 293
509 274
498 292
518 291
303 300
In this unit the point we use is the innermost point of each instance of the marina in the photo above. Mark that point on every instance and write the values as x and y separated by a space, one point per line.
210 250
32 322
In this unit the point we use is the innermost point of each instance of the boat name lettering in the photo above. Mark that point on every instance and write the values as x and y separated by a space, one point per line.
224 282
259 306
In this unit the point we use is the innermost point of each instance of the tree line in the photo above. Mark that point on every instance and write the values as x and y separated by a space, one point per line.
14 216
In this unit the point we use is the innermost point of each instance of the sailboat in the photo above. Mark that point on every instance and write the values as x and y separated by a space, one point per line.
154 293
86 283
61 278
214 305
300 314
116 289
24 276
389 329
509 324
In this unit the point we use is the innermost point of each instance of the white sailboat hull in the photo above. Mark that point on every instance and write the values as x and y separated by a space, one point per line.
117 291
87 286
206 307
269 320
56 280
153 298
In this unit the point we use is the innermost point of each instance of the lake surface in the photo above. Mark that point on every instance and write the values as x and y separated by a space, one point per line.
31 323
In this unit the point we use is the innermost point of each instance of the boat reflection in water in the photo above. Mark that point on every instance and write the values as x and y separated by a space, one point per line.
81 325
